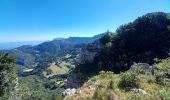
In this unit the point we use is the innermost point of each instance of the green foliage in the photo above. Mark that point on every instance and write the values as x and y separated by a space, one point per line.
28 56
135 42
150 78
108 83
7 74
108 87
109 45
129 80
162 72
22 58
107 37
104 94
32 88
164 93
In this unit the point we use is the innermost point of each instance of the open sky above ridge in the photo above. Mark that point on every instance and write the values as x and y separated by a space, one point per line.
29 20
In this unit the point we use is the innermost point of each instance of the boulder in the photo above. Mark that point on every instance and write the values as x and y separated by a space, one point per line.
69 92
144 66
138 91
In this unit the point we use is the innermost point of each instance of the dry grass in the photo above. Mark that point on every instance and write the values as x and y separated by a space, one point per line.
55 70
105 87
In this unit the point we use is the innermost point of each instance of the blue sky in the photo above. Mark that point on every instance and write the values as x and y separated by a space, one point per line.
28 20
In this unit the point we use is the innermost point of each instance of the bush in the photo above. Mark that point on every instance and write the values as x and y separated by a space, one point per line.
129 80
105 94
150 78
162 72
107 37
164 93
160 79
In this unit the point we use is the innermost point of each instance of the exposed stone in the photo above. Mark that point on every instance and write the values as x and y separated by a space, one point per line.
75 79
69 92
88 53
144 66
138 91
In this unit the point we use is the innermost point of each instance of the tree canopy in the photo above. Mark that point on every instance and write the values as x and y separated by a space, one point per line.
7 74
146 38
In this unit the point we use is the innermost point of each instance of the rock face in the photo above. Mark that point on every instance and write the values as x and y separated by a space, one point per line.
74 80
144 66
69 92
75 77
88 53
85 92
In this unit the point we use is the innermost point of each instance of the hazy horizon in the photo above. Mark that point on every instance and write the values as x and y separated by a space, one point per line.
41 20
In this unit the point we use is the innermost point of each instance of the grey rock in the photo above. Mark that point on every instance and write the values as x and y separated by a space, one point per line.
144 66
69 92
138 91
89 53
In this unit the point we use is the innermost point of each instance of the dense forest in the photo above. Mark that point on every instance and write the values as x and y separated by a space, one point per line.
142 40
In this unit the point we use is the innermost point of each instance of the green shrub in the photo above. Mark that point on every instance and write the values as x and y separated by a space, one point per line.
111 85
164 93
162 72
129 79
150 78
160 79
104 94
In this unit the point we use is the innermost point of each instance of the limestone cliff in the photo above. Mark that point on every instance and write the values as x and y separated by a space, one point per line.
76 77
88 53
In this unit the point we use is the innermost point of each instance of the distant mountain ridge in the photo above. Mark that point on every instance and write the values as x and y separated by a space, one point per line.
27 55
11 45
168 14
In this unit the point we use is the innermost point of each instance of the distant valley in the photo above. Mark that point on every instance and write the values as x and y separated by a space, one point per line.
41 56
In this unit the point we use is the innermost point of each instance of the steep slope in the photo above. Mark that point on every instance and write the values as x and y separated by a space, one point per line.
110 86
141 41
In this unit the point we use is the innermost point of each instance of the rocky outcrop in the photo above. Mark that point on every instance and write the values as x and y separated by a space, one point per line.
138 91
74 79
88 53
69 92
87 90
144 66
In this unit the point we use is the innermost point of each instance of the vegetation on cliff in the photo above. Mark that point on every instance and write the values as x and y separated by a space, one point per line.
127 85
7 75
143 40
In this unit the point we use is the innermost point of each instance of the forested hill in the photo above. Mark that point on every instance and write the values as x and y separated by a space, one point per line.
169 14
142 41
28 55
11 45
131 64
